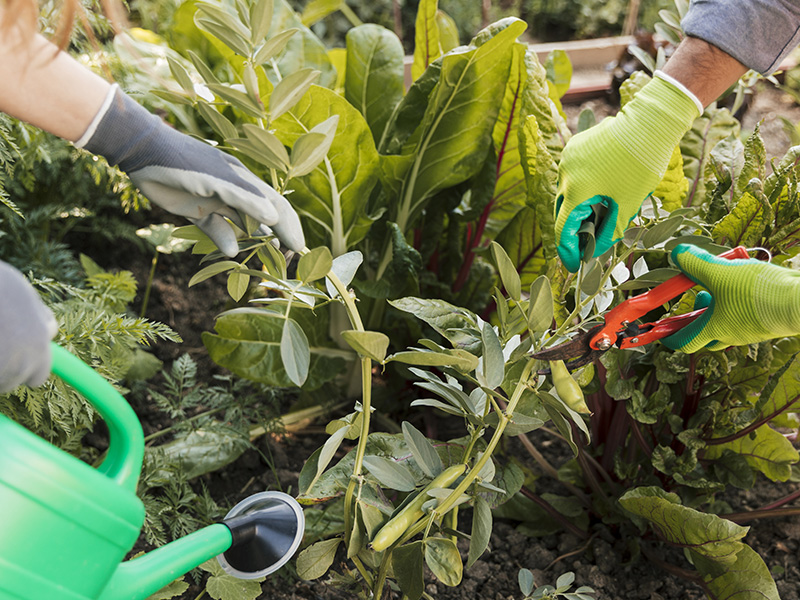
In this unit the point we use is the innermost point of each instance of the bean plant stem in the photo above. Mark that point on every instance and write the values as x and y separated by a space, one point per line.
503 418
366 404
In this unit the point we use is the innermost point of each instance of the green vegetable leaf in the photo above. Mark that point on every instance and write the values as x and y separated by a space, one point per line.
540 307
389 473
444 561
541 177
314 265
333 196
713 126
523 242
248 343
508 273
303 49
372 344
314 561
706 534
295 352
374 75
176 588
509 193
559 71
492 366
407 563
481 530
222 586
456 358
456 324
744 225
765 449
748 578
426 38
674 186
422 450
449 145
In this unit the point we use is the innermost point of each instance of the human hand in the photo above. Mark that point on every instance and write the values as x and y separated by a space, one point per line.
26 328
748 301
617 165
188 177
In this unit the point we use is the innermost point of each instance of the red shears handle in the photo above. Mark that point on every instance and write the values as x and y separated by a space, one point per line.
619 317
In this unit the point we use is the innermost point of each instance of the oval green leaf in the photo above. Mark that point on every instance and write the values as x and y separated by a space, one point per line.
444 561
389 473
372 344
295 353
315 264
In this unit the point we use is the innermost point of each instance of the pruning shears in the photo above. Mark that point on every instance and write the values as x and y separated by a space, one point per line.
619 328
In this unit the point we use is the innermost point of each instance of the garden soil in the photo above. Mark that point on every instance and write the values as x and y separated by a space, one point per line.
606 563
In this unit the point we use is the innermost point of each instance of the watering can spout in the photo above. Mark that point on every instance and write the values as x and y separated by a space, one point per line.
143 576
256 538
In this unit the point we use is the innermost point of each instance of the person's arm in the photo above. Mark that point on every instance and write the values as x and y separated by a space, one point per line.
46 87
703 69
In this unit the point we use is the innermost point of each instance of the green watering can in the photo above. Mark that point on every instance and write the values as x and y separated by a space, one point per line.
65 527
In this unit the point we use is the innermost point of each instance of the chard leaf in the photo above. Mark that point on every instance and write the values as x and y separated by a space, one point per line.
673 186
333 196
714 125
509 193
426 38
401 276
536 102
748 578
765 449
541 177
406 117
705 534
785 393
248 343
449 146
374 75
725 163
303 49
755 159
744 225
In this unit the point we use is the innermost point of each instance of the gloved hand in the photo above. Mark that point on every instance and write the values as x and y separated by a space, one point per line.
186 176
749 301
618 164
26 328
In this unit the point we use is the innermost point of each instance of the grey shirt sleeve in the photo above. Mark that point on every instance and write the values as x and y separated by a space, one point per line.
757 33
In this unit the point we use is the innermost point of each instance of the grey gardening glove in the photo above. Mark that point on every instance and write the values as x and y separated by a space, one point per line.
26 328
187 177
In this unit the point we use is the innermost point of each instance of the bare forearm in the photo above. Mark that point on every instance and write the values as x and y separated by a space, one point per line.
704 69
46 87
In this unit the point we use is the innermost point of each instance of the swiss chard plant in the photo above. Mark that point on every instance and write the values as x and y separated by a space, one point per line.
429 218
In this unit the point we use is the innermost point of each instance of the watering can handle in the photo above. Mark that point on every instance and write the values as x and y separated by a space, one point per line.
123 462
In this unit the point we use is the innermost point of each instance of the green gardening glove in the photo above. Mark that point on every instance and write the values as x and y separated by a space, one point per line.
749 301
618 164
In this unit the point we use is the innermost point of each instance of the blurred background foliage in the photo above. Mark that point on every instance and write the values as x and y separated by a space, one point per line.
548 20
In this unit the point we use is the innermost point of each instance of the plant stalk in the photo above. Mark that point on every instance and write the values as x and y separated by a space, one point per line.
149 285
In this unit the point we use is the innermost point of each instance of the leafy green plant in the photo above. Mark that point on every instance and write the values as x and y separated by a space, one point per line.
549 592
94 327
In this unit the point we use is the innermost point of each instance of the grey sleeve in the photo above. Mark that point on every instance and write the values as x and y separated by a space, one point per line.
757 33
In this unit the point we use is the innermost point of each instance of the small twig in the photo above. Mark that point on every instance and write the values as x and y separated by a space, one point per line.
573 553
247 485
